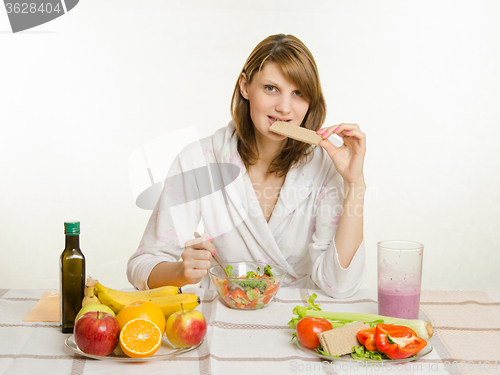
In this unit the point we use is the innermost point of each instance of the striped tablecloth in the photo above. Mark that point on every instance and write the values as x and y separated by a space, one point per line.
466 339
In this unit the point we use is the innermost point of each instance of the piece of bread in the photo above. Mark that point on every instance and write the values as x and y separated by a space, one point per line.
339 341
296 132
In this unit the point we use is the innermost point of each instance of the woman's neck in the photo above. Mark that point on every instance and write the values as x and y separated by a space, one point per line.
268 151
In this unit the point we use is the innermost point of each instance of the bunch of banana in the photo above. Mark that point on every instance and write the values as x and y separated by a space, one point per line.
168 298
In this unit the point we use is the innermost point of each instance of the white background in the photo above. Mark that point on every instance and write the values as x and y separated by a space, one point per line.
80 95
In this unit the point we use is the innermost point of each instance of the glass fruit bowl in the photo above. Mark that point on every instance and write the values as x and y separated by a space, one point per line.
250 285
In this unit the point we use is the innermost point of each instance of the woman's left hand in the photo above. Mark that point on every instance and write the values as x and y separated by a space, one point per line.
348 158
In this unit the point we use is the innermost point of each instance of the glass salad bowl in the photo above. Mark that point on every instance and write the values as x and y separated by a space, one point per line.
249 285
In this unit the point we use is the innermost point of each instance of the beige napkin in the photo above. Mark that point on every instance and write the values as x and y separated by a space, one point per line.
46 309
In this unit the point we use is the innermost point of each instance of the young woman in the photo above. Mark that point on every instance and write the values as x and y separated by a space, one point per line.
291 204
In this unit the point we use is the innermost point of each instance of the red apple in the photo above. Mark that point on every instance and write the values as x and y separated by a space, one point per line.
186 328
97 333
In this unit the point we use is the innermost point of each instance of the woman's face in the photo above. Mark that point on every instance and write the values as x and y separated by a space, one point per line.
273 97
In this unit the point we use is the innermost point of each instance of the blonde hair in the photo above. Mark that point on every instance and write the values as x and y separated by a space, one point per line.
298 65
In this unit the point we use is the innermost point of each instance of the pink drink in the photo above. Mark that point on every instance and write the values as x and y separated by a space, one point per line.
399 303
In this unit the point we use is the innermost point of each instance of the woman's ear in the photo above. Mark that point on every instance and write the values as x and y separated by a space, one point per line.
243 85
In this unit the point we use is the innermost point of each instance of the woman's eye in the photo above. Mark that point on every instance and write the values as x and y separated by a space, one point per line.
297 93
270 88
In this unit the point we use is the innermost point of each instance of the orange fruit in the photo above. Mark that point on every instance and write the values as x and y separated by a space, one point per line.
142 309
140 338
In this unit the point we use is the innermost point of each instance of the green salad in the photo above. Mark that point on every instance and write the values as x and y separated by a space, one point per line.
258 289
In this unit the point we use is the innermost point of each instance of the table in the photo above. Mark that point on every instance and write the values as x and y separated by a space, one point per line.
466 339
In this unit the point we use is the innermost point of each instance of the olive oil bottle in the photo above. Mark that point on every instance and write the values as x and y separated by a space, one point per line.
72 282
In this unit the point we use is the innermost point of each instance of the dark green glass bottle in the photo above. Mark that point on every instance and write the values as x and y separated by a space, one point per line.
72 264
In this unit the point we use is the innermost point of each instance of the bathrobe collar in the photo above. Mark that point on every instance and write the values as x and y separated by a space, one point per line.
244 203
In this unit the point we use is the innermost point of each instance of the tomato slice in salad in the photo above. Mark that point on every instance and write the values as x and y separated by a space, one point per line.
271 288
238 294
252 304
267 299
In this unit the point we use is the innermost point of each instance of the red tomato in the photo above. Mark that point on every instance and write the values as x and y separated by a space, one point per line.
308 329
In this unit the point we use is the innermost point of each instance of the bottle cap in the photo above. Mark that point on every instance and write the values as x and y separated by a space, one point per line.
72 228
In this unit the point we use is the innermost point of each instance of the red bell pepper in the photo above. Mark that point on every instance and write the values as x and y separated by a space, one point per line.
397 342
367 338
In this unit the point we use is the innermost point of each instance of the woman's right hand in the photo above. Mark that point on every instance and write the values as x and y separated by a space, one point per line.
197 258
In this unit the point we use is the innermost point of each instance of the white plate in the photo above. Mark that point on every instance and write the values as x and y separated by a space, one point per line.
348 358
166 350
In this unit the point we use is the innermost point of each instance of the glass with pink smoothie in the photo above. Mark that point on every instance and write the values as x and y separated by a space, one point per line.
399 273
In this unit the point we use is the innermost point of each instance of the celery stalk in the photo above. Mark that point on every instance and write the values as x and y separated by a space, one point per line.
423 329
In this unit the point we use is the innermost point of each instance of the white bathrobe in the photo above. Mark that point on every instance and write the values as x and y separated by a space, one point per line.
298 237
